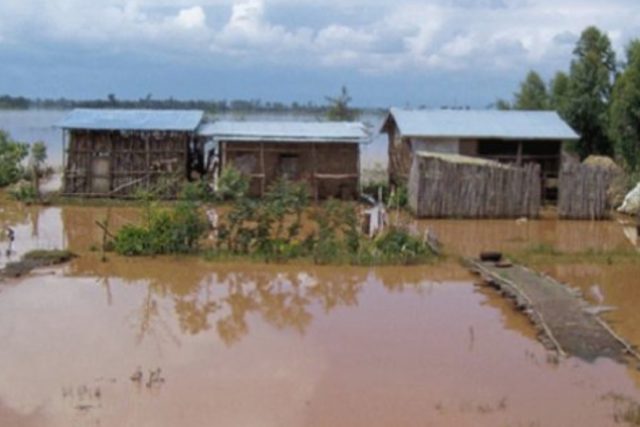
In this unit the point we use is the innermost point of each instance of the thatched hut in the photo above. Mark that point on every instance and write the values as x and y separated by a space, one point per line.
114 153
516 137
325 155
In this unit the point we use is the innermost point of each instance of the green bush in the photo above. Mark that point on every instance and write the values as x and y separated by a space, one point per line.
373 188
168 231
198 191
398 245
232 184
339 240
11 156
24 192
270 227
399 198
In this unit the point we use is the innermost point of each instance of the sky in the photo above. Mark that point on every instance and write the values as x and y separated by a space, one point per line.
403 52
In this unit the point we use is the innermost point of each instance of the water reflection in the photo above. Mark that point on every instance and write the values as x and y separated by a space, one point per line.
248 344
283 297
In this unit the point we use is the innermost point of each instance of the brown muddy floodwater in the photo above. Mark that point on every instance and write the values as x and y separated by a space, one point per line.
263 345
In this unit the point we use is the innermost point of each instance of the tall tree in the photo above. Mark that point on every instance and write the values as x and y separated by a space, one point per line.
589 91
339 109
559 88
625 109
532 94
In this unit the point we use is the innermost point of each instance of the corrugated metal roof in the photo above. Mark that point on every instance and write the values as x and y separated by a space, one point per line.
104 119
323 132
527 125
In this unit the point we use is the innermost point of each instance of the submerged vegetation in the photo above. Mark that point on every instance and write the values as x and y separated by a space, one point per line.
35 259
544 254
279 227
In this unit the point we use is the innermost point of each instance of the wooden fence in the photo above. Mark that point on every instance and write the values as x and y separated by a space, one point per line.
583 192
453 186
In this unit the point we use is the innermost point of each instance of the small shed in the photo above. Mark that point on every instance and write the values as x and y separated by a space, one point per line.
114 153
516 137
326 155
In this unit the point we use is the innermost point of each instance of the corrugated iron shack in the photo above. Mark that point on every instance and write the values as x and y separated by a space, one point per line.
326 155
115 153
515 137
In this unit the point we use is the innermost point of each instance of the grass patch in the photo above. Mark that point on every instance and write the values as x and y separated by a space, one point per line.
544 253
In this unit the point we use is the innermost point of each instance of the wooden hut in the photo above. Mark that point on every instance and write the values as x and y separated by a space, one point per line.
325 155
516 137
114 153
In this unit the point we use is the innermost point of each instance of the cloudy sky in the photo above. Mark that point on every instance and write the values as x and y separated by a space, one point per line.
401 52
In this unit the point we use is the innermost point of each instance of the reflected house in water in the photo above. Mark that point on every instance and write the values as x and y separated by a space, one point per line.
114 153
514 137
326 155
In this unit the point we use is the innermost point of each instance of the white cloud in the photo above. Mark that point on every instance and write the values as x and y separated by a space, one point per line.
248 33
191 18
396 36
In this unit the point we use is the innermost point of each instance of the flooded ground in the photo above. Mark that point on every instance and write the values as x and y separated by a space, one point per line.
264 345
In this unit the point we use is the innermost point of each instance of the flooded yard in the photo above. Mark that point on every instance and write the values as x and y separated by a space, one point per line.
268 345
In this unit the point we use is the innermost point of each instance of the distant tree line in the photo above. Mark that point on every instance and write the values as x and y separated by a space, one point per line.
599 97
336 108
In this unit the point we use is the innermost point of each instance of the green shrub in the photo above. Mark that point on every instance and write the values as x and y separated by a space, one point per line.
374 188
398 245
399 198
11 156
168 231
269 227
232 184
24 192
198 191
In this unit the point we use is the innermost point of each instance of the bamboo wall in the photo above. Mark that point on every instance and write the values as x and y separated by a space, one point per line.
583 192
441 188
118 164
330 169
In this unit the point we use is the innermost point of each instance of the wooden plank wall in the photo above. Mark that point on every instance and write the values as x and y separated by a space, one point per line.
443 189
583 192
331 170
134 161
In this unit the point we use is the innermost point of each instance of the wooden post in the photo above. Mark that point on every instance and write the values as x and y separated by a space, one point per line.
262 168
519 155
65 133
223 154
315 171
111 159
358 183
